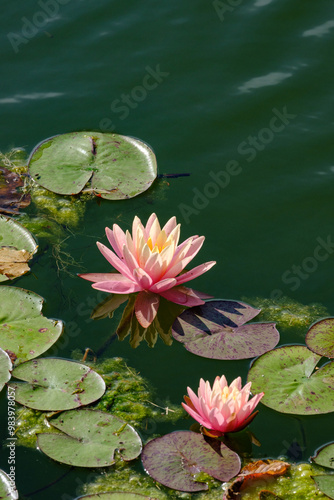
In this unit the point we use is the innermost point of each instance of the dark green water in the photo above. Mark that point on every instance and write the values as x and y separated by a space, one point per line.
251 86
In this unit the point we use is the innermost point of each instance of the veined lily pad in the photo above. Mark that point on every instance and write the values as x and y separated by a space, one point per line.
5 369
320 338
118 166
89 439
291 383
175 459
23 330
116 495
217 330
53 384
16 237
7 489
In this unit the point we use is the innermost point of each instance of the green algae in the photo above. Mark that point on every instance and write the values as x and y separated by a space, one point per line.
287 313
128 396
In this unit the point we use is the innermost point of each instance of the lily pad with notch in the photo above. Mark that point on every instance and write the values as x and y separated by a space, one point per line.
5 369
53 384
89 439
292 382
320 338
325 458
175 460
217 330
17 246
117 166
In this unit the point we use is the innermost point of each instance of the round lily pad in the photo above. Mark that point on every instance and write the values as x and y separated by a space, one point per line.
53 384
24 331
89 439
7 489
5 369
176 458
320 338
118 166
291 381
15 237
217 330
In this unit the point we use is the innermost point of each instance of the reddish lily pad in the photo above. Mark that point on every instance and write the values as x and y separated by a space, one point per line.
89 438
292 382
217 330
320 338
175 459
53 384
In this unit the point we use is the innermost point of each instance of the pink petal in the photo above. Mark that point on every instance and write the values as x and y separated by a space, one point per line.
182 259
200 419
125 286
114 260
194 273
178 295
163 285
130 260
142 278
170 225
194 399
98 277
153 266
146 308
149 223
114 242
154 231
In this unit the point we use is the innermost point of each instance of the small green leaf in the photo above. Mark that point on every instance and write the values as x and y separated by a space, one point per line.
325 456
291 382
90 439
5 369
7 488
118 166
53 384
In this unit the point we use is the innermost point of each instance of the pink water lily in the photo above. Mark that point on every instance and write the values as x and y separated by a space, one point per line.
223 408
150 262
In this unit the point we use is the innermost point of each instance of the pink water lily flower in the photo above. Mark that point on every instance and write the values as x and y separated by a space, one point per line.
150 262
223 408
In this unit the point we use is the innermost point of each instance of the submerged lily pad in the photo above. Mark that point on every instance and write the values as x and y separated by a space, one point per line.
175 459
320 338
291 382
18 238
5 369
7 489
217 330
116 495
118 166
53 384
90 439
23 330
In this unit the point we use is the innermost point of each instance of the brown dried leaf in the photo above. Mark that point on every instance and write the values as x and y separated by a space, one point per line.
13 262
10 198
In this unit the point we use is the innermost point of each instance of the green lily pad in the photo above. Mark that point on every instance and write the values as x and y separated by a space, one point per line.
53 384
217 330
90 439
24 331
116 495
7 489
5 369
325 456
13 234
118 166
291 382
177 458
325 484
320 338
